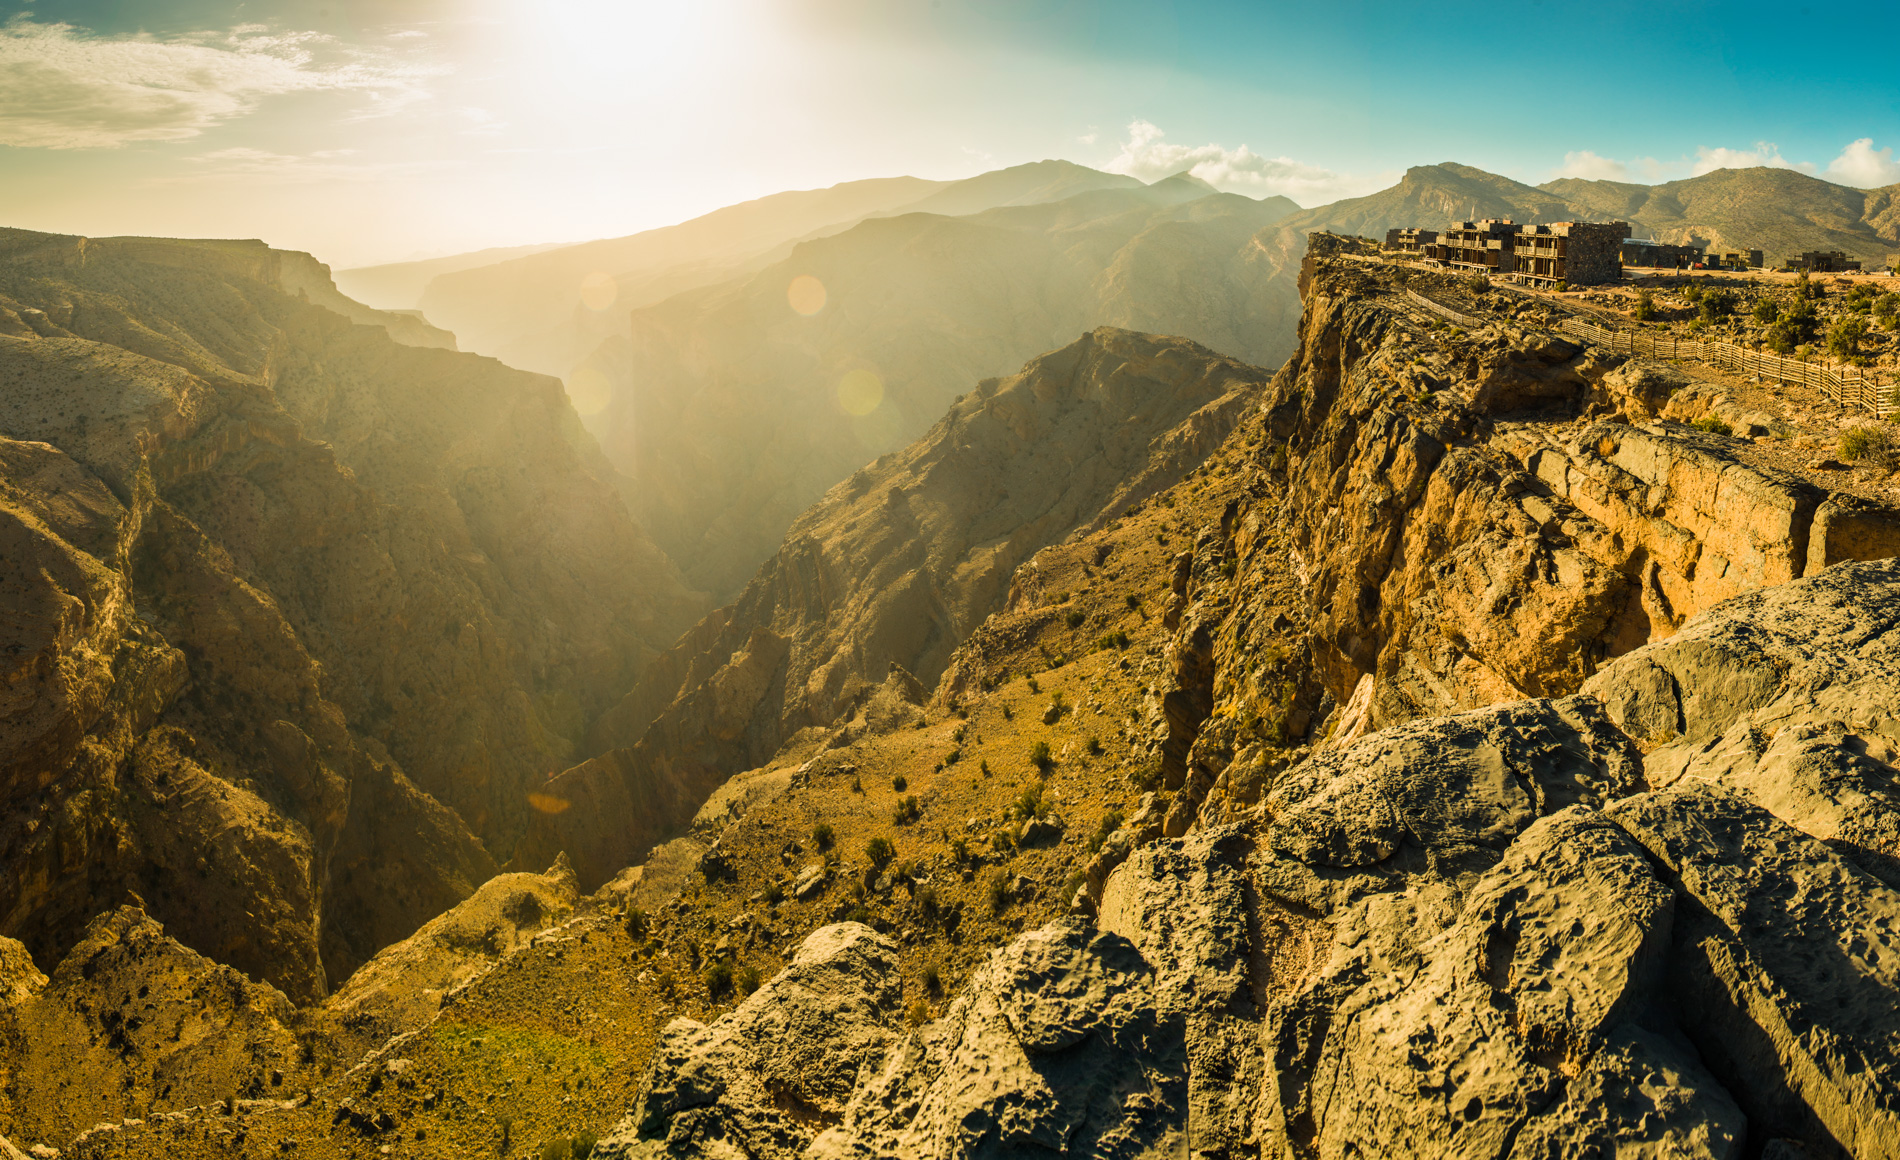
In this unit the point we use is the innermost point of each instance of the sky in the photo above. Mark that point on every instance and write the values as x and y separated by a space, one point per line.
382 130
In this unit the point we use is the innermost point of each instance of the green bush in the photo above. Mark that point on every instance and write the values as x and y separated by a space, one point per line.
821 836
899 783
1132 600
1716 305
1876 445
748 979
906 810
1039 755
636 922
1886 307
1712 425
1033 686
1766 311
1076 617
719 978
1028 804
1002 842
1843 340
880 851
998 893
1645 308
933 978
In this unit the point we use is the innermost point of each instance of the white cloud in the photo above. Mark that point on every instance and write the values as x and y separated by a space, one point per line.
262 167
61 88
1860 164
1146 155
1765 153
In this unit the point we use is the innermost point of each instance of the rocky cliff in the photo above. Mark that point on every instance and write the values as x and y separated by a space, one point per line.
1458 758
301 613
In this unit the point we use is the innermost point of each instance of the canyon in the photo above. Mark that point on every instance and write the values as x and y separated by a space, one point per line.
1430 746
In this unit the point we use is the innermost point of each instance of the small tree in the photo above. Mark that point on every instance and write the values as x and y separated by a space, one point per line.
1716 305
1843 341
880 851
1645 310
1767 311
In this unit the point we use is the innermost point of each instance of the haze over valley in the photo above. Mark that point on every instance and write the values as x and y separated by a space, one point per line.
807 580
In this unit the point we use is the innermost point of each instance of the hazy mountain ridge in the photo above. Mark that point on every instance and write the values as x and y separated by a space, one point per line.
726 412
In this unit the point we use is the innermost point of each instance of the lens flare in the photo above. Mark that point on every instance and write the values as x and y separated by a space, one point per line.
860 392
806 294
598 290
589 391
547 803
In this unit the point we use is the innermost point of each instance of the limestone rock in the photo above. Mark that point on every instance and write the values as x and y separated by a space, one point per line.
1518 1032
762 1079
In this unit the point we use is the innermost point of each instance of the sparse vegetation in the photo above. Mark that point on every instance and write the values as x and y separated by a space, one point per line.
718 978
880 851
1028 804
1076 617
1113 640
906 810
1767 310
1094 746
1712 425
1876 445
1844 338
748 979
918 1014
1111 821
1039 755
1716 305
998 893
900 783
822 836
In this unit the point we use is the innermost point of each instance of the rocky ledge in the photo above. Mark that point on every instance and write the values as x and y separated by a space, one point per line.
1656 918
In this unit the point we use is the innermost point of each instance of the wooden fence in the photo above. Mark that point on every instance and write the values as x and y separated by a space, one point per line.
1847 386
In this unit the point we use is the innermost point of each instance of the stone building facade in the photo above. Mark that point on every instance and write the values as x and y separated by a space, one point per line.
1824 262
1582 253
1661 255
1410 241
1482 246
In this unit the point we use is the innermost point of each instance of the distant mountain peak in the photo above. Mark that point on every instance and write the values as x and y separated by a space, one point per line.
1186 177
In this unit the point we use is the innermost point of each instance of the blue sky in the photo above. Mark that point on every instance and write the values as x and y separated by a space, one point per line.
375 131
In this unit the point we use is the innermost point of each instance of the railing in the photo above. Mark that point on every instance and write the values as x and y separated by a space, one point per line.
1847 386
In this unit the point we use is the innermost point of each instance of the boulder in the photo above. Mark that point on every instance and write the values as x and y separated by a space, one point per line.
763 1079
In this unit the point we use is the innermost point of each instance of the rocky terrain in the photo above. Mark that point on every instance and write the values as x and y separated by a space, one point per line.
1434 747
299 610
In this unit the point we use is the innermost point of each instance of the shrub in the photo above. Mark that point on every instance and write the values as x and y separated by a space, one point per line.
1111 821
1886 307
929 907
1146 776
636 922
775 892
748 979
899 783
1563 287
857 785
1478 283
959 851
998 894
906 811
1002 842
1076 617
933 978
1033 686
983 766
918 1014
582 1145
1094 746
1877 446
1843 341
1039 755
1645 308
1009 714
719 978
1716 305
1766 311
880 851
1028 804
1712 425
1115 640
822 836
1134 601
1692 293
1783 337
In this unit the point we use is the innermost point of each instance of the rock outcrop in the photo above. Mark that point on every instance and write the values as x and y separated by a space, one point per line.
303 614
894 567
1484 935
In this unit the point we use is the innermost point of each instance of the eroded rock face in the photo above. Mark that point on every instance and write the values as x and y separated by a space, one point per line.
1483 935
132 1020
764 1079
304 613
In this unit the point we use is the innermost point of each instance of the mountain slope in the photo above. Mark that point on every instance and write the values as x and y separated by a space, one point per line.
1778 211
531 313
894 568
399 285
732 412
302 611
